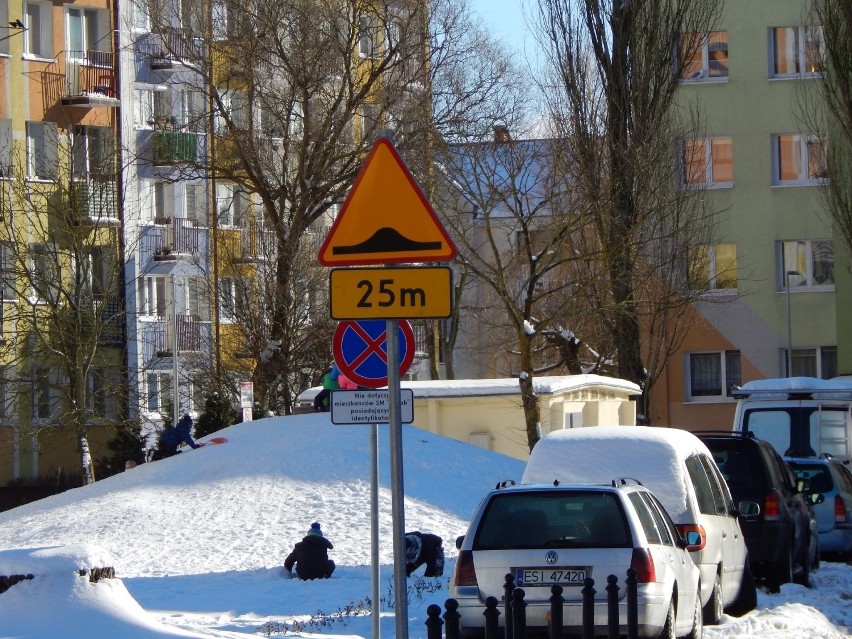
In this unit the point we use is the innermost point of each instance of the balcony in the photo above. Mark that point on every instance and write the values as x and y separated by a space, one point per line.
94 201
246 244
90 79
171 50
193 337
172 146
172 238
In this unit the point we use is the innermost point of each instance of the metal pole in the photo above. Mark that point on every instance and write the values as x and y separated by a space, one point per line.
400 579
175 386
374 530
789 324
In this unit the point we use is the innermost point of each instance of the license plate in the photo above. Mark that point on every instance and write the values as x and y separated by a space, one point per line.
550 576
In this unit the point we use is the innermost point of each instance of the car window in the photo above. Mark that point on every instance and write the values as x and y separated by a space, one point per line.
721 495
664 523
646 519
551 519
703 490
818 475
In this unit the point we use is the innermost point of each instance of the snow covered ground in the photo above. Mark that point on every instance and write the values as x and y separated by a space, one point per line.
197 542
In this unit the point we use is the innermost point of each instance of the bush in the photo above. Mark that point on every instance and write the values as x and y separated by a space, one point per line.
218 413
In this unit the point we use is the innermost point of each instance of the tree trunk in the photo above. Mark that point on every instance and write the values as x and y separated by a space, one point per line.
86 460
529 400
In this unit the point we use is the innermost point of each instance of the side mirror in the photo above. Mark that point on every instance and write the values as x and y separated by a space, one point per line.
694 539
815 498
748 508
459 542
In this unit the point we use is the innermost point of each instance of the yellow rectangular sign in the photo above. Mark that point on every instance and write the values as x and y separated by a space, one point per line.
390 293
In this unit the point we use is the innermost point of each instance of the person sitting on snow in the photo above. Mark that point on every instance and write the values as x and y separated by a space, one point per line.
424 548
310 556
173 437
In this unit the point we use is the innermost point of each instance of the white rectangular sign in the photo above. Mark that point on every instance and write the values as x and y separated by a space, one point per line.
369 406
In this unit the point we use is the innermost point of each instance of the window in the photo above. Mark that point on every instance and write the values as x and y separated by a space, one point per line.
45 272
197 298
159 392
367 37
4 20
708 162
712 374
93 151
7 273
42 150
192 110
7 394
83 32
38 18
796 52
713 267
151 105
227 298
798 159
102 397
5 148
818 362
194 202
232 205
370 119
154 297
139 18
42 395
704 57
806 265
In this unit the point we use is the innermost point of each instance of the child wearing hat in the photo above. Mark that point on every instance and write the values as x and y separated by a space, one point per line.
310 556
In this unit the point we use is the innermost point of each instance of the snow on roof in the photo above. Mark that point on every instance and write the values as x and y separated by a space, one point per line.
600 454
766 388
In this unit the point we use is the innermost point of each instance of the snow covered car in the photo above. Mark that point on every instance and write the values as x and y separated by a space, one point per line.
546 535
680 471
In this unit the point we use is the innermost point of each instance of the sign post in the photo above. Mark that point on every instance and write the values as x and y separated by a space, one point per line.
386 219
246 399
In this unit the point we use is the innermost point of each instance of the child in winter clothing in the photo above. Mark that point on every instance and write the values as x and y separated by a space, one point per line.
424 548
173 437
329 383
310 556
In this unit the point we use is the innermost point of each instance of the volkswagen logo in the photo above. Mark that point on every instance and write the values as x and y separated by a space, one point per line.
551 557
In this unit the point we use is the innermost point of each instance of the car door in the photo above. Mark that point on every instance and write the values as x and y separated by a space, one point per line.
795 507
734 550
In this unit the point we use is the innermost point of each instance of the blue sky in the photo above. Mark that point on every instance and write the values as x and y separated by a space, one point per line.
506 17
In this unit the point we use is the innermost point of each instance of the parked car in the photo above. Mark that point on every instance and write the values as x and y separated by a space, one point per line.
782 536
831 478
680 471
547 535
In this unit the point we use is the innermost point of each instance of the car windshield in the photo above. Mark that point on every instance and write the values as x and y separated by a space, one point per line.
795 430
557 519
818 475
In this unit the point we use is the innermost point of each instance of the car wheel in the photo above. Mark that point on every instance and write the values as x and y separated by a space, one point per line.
712 611
746 600
782 573
697 619
669 627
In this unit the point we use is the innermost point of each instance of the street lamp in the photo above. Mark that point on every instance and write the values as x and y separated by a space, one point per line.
787 275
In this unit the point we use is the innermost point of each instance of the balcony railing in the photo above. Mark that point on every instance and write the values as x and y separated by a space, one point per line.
172 49
249 242
172 238
94 201
158 338
173 146
90 79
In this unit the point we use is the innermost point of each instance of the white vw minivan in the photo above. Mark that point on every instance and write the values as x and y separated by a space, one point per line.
677 467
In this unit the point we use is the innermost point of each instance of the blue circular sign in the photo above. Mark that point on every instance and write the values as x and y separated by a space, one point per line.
361 350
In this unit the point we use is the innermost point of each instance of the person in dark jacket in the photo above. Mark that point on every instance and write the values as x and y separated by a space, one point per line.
310 556
173 437
424 548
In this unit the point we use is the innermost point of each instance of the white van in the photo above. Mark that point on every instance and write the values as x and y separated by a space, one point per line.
799 416
680 471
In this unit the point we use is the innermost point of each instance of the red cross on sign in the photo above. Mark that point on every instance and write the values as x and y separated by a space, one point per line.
360 351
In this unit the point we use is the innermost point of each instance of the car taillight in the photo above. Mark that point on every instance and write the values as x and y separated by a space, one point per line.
465 574
840 515
772 507
683 529
643 563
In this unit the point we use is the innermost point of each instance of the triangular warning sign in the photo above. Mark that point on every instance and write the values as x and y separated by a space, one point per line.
385 219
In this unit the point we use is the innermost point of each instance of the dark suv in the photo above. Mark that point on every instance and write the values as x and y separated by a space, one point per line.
782 538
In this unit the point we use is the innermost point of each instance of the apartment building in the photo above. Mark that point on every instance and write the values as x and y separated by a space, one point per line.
772 309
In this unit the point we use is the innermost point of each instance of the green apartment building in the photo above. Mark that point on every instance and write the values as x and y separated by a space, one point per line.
778 277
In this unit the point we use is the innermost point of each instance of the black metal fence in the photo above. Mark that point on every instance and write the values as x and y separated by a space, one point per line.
515 619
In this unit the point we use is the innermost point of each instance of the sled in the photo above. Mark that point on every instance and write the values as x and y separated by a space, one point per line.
215 441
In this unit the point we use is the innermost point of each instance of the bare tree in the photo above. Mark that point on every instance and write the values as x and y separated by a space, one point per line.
61 263
612 77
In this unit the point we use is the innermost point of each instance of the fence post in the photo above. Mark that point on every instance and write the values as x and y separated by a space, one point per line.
632 605
508 590
588 608
451 618
612 605
492 618
433 622
556 601
519 614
